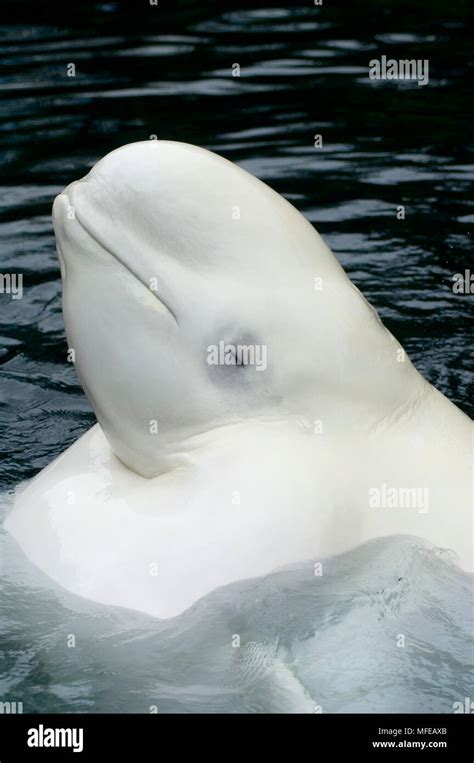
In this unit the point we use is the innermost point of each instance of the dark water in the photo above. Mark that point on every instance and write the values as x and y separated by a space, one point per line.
167 71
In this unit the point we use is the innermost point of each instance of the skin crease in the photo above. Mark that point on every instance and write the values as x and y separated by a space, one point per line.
166 249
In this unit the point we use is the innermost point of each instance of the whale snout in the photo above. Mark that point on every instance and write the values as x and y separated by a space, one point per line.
64 213
60 206
97 239
83 219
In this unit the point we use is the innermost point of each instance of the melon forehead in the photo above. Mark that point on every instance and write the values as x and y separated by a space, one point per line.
189 202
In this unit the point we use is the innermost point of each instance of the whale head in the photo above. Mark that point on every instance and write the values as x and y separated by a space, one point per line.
194 296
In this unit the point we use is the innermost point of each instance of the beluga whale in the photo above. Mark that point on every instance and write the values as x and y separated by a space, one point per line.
252 410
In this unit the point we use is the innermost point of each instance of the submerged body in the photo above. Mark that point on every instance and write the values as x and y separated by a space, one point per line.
200 473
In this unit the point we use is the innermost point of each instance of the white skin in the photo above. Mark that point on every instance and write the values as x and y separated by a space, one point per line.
167 249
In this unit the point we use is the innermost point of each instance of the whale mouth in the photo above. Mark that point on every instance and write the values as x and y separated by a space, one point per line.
66 203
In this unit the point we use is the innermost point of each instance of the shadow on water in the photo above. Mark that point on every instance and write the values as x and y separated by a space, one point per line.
167 71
